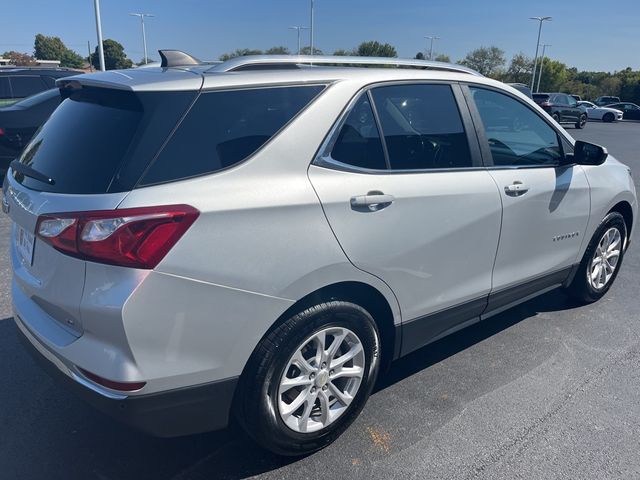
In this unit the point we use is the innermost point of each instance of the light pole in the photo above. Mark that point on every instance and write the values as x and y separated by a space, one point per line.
311 28
544 48
297 28
144 35
431 38
96 4
535 62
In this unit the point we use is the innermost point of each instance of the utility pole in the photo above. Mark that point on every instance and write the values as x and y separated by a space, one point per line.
544 48
298 28
535 62
311 28
144 35
89 57
431 38
96 4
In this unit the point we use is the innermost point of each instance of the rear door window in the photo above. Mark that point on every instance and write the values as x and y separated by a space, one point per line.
23 86
422 127
224 128
358 143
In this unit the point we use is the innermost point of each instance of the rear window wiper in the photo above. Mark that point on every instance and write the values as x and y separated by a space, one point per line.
27 171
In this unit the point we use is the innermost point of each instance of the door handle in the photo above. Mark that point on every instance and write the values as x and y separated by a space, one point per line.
516 189
372 201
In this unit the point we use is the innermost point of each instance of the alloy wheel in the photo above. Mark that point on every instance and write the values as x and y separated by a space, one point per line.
605 259
321 379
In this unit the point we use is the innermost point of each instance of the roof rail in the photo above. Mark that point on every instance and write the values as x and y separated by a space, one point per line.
262 62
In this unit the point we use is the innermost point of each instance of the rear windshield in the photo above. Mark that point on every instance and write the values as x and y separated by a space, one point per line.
96 132
225 127
103 140
538 97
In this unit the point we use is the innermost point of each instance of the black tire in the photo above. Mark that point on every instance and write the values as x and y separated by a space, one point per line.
608 117
257 408
556 117
582 121
580 288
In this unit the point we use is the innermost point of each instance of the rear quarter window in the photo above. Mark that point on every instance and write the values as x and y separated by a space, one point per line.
25 86
224 128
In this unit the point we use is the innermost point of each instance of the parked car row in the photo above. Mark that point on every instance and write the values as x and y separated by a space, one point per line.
19 83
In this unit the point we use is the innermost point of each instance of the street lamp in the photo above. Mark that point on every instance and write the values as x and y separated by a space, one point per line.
544 48
144 36
96 4
535 62
311 28
297 28
431 38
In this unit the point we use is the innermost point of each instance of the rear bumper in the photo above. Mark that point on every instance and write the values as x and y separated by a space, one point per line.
178 412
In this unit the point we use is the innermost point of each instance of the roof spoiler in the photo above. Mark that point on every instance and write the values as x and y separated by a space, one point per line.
177 58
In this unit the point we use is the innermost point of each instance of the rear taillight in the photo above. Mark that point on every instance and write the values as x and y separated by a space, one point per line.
1 131
132 237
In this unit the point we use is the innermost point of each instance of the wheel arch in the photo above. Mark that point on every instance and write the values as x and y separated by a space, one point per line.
624 208
360 293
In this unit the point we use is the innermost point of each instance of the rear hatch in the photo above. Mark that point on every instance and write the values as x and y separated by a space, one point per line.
86 157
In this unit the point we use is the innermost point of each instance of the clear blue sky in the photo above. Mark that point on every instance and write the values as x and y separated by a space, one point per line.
588 34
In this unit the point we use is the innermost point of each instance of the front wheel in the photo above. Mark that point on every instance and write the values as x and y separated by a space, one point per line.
582 121
309 378
601 261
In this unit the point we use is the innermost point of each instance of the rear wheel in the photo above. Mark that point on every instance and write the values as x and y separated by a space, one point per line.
601 261
309 378
582 121
608 117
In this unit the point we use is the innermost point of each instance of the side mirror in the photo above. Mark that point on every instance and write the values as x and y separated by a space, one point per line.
585 153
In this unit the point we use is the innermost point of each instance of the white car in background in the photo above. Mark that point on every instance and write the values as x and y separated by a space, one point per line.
605 114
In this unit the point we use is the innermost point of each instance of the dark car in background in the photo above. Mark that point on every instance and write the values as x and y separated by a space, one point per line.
20 121
522 88
562 107
606 100
630 111
18 83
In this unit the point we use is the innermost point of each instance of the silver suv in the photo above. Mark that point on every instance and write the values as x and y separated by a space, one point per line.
256 241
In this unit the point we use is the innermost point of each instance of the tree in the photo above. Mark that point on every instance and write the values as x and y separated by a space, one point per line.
519 70
19 59
307 51
485 60
48 48
375 49
240 52
554 75
114 56
419 56
142 62
278 51
441 57
342 52
71 59
52 48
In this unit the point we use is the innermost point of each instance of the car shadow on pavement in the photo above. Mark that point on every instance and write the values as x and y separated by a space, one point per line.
49 433
440 350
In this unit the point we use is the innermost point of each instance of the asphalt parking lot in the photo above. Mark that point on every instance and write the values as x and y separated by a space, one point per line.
545 390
